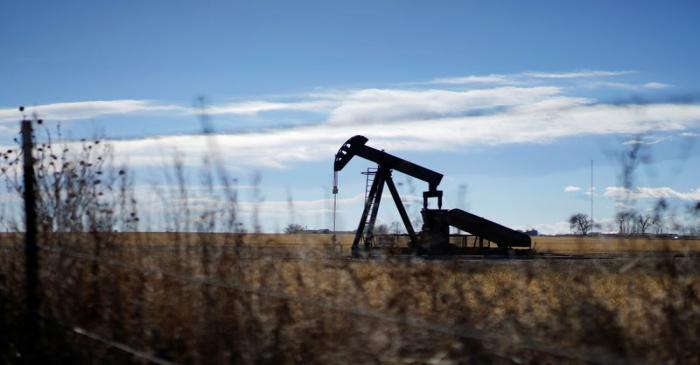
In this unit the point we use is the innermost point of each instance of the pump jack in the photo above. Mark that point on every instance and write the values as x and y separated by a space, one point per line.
434 237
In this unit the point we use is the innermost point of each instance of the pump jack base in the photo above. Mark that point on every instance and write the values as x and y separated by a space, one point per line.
447 251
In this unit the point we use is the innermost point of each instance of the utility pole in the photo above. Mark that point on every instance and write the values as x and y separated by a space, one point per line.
31 249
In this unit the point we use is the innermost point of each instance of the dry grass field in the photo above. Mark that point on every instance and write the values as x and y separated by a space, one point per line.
222 298
611 244
543 244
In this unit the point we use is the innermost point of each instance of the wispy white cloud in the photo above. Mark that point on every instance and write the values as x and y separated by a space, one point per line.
656 85
300 206
396 119
537 123
474 79
646 140
627 86
95 109
391 105
525 77
377 103
88 109
623 205
620 193
256 107
578 189
576 74
550 228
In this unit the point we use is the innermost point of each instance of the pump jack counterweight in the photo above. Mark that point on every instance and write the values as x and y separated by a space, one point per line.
434 237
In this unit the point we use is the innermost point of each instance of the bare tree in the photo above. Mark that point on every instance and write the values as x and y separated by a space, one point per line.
395 228
625 221
381 229
580 223
658 225
644 221
658 221
78 187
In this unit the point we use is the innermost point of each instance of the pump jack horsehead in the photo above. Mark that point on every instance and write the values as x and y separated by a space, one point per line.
434 237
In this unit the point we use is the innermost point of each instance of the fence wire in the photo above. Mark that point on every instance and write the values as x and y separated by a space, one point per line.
138 354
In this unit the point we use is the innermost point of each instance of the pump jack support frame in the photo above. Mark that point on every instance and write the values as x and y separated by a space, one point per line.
372 207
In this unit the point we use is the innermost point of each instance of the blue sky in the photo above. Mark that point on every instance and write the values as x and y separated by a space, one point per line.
511 99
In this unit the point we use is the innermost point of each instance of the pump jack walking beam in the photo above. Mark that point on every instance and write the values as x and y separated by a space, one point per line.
356 146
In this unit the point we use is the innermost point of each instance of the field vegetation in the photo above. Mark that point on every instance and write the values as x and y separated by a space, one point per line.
202 298
211 293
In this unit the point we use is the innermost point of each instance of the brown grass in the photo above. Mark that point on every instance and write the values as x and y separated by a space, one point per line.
612 244
216 298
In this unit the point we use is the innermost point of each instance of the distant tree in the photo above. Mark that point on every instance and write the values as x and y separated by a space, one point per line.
625 221
395 228
580 223
658 224
644 221
293 228
658 221
381 229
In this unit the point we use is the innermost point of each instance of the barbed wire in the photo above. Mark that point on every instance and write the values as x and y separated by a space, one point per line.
82 332
141 355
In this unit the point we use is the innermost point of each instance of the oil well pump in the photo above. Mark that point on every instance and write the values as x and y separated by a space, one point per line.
434 237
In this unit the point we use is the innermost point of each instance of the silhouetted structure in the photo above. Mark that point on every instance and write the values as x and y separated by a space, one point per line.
434 237
532 232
